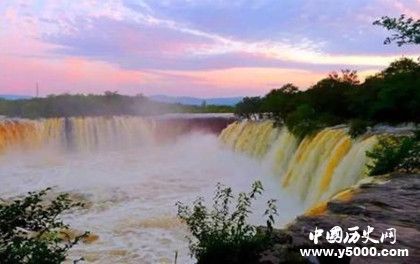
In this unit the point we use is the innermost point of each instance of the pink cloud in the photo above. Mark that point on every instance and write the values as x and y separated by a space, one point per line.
79 75
103 45
239 81
74 75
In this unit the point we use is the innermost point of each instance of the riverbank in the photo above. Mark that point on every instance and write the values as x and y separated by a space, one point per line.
384 202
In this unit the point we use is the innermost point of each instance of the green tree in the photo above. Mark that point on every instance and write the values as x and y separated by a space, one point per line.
397 94
111 103
279 103
407 30
249 107
331 96
400 66
304 121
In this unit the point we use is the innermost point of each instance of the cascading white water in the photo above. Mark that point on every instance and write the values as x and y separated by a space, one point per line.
131 171
100 133
313 169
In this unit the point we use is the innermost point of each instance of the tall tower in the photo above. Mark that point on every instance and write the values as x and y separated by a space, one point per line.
37 90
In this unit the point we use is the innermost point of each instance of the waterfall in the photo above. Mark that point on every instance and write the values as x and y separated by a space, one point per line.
313 169
249 137
26 134
75 133
93 133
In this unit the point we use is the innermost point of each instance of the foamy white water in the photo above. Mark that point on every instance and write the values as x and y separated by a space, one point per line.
133 192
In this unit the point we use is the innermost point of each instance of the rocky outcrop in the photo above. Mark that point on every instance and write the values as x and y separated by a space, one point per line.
387 202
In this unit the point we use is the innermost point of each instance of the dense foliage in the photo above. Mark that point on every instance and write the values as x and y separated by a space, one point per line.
111 103
390 96
395 153
29 229
407 30
224 236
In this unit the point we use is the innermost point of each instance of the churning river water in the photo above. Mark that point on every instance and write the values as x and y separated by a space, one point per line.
131 192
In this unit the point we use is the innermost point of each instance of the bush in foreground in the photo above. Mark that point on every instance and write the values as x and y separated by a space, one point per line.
224 236
29 229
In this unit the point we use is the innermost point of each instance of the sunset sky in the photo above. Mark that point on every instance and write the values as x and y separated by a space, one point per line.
208 48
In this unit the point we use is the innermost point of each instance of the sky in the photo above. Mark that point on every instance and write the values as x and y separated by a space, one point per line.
208 48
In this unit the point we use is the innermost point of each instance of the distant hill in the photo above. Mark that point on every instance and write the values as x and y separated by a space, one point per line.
13 96
186 100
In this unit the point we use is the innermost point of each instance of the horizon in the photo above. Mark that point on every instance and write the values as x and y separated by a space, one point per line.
190 48
102 93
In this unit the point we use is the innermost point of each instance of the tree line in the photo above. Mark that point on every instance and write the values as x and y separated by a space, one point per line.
110 103
390 96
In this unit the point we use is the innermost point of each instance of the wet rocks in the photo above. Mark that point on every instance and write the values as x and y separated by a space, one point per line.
391 201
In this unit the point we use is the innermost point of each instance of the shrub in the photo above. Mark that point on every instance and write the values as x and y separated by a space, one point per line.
222 236
393 153
303 121
411 163
29 229
358 127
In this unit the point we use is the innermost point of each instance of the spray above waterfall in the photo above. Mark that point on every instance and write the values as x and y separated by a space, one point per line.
99 133
313 169
131 172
